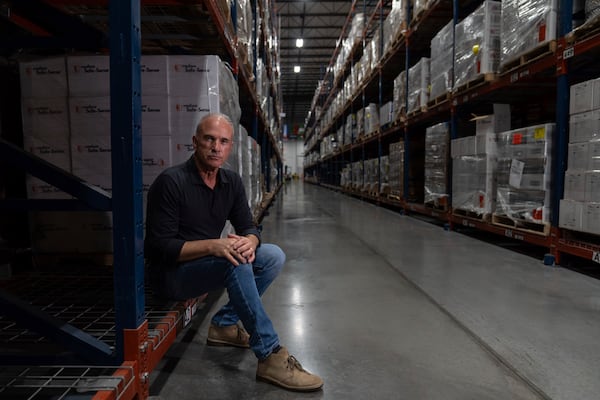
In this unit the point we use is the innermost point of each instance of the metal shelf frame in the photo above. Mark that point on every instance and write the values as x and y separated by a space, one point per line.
136 338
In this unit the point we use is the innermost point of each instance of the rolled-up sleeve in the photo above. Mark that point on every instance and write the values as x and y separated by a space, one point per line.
162 243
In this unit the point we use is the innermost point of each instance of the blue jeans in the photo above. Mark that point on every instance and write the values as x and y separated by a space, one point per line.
244 283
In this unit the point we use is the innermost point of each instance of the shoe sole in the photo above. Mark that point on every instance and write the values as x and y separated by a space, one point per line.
293 388
222 343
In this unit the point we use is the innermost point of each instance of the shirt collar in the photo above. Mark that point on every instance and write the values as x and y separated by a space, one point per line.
193 170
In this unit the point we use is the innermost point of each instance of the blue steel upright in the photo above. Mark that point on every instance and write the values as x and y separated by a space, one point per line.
560 144
126 145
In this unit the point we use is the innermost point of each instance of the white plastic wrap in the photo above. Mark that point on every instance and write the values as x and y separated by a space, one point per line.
524 174
526 24
478 43
418 85
396 169
441 61
399 107
394 24
437 153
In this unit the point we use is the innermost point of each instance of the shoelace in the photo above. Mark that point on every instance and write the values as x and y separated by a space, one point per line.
293 363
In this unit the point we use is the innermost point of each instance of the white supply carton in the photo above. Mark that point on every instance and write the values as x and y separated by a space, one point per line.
592 186
156 113
584 126
91 154
591 218
90 116
43 78
89 76
584 96
45 116
155 75
193 75
156 154
186 112
571 215
181 148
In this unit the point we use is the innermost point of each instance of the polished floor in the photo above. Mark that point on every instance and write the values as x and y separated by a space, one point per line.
387 306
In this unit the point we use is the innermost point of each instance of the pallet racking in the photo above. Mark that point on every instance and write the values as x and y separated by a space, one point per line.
536 85
80 329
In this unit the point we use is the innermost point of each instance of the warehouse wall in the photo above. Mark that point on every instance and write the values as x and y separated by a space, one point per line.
293 155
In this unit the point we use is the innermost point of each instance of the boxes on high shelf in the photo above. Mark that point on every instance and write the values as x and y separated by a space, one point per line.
477 43
526 25
441 65
418 85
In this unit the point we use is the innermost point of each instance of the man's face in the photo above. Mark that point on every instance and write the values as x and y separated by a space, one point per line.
213 143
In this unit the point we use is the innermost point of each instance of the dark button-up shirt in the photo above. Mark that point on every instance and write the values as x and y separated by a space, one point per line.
181 207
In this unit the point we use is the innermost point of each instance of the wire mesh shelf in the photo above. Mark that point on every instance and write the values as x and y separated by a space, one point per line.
64 382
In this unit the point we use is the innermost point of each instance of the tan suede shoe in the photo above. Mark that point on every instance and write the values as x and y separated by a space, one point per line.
228 336
284 370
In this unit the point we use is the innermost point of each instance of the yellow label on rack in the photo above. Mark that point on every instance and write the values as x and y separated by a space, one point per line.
539 133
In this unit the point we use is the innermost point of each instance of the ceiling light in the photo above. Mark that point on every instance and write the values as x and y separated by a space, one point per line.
299 42
296 68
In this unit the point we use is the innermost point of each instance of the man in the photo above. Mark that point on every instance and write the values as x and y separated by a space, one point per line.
188 206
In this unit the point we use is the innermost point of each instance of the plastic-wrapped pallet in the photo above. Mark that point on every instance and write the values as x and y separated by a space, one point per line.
440 65
358 175
399 95
394 24
371 116
350 129
396 169
418 85
478 43
592 10
524 175
437 153
473 175
526 24
384 174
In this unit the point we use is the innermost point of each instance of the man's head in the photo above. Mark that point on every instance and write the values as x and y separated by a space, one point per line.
213 141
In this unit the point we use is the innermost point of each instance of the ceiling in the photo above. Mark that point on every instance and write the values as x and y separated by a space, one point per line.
319 24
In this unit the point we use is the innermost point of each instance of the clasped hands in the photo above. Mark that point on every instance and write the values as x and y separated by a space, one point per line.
238 249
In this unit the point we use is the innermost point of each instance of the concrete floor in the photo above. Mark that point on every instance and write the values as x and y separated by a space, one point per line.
386 306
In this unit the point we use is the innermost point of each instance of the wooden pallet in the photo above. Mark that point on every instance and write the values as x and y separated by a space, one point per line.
477 81
394 197
437 206
412 114
588 29
532 55
439 100
539 228
483 217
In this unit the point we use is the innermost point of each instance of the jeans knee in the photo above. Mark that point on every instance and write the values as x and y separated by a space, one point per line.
274 256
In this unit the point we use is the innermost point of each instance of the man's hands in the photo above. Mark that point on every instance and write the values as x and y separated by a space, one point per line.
237 249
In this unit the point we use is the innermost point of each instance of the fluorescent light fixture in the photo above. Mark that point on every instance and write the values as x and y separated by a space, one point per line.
299 42
296 68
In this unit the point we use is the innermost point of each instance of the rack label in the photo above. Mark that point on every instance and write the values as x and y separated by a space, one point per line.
596 257
569 52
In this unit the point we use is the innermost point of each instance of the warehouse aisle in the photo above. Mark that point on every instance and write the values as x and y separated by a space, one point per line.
385 306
